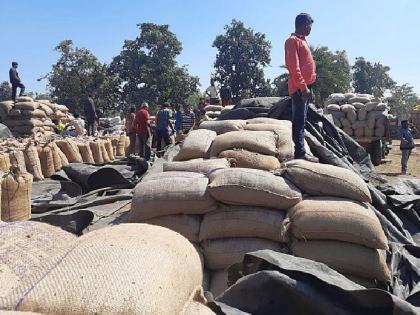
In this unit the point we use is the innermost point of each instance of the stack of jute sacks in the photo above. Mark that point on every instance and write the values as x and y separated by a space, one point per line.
29 117
124 269
212 112
227 191
359 115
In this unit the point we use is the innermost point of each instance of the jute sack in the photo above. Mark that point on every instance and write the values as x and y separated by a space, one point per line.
26 105
362 114
120 146
32 162
360 99
57 152
351 115
369 132
242 221
4 161
247 159
70 150
188 225
197 308
213 108
346 258
359 132
161 175
244 186
359 124
345 122
17 158
18 313
86 153
20 99
170 196
109 149
218 282
223 252
371 106
197 165
380 131
338 114
264 142
348 108
46 157
16 190
223 126
333 107
348 130
358 105
128 249
196 145
266 121
337 122
97 152
104 152
329 218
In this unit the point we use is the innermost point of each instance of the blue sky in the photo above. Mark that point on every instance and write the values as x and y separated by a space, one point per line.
385 31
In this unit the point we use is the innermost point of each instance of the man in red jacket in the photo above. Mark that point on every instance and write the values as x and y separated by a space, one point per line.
302 74
142 127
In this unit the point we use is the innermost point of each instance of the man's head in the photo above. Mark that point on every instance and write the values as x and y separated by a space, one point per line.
187 108
404 123
166 105
14 64
303 24
145 105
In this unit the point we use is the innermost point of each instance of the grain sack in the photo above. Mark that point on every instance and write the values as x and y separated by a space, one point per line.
26 106
362 114
345 123
380 131
359 124
264 142
243 221
361 99
329 218
369 132
120 147
371 106
37 113
63 159
97 152
346 258
244 186
333 107
348 130
129 249
160 175
247 159
46 109
223 126
15 113
221 253
337 122
17 158
197 308
347 108
351 115
381 107
349 95
86 153
266 121
170 196
20 99
70 150
188 225
46 158
327 180
337 97
104 152
16 190
380 122
32 162
218 282
4 162
196 145
6 106
197 165
213 108
338 115
358 105
109 149
359 132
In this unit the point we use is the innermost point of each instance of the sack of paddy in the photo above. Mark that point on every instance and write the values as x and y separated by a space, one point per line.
359 99
70 150
99 288
104 152
59 158
171 195
362 114
197 308
188 225
245 186
346 258
345 123
243 221
109 149
338 114
333 108
196 145
15 113
371 106
18 158
203 166
351 115
213 108
369 132
348 130
359 124
247 159
337 219
359 132
380 131
223 126
16 190
26 105
86 153
46 158
218 282
33 162
120 151
264 142
162 175
358 105
223 252
97 151
4 161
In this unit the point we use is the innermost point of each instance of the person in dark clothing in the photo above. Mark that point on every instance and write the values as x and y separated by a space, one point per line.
90 115
15 81
163 127
225 95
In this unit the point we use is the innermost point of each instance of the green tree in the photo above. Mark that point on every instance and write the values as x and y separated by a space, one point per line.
77 74
402 101
148 71
371 78
280 85
5 91
240 60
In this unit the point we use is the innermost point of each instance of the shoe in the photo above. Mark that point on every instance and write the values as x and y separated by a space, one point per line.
403 172
309 158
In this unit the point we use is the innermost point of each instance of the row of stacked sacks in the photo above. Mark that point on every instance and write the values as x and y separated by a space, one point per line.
212 112
43 158
359 115
228 206
29 117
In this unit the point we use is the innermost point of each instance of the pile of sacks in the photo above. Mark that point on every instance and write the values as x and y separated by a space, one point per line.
29 117
227 192
212 112
359 115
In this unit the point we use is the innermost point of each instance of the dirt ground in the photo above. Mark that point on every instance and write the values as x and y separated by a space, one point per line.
391 168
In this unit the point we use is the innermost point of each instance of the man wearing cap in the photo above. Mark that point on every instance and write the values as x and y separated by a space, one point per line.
15 81
142 126
302 75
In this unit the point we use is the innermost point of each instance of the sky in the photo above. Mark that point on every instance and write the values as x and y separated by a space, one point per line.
381 31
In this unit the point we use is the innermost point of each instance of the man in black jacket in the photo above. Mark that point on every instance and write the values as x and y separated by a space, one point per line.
15 81
90 115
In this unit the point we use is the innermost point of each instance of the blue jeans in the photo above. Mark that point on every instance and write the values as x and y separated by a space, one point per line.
162 134
299 112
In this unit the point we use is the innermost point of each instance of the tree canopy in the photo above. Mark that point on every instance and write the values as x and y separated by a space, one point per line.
402 100
240 60
5 91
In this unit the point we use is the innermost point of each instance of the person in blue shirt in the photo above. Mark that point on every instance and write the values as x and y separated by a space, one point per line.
406 136
163 127
178 119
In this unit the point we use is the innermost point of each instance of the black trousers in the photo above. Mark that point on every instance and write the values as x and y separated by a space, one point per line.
299 112
14 90
90 128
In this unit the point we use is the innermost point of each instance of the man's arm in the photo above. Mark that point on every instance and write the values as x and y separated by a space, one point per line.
14 75
292 63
